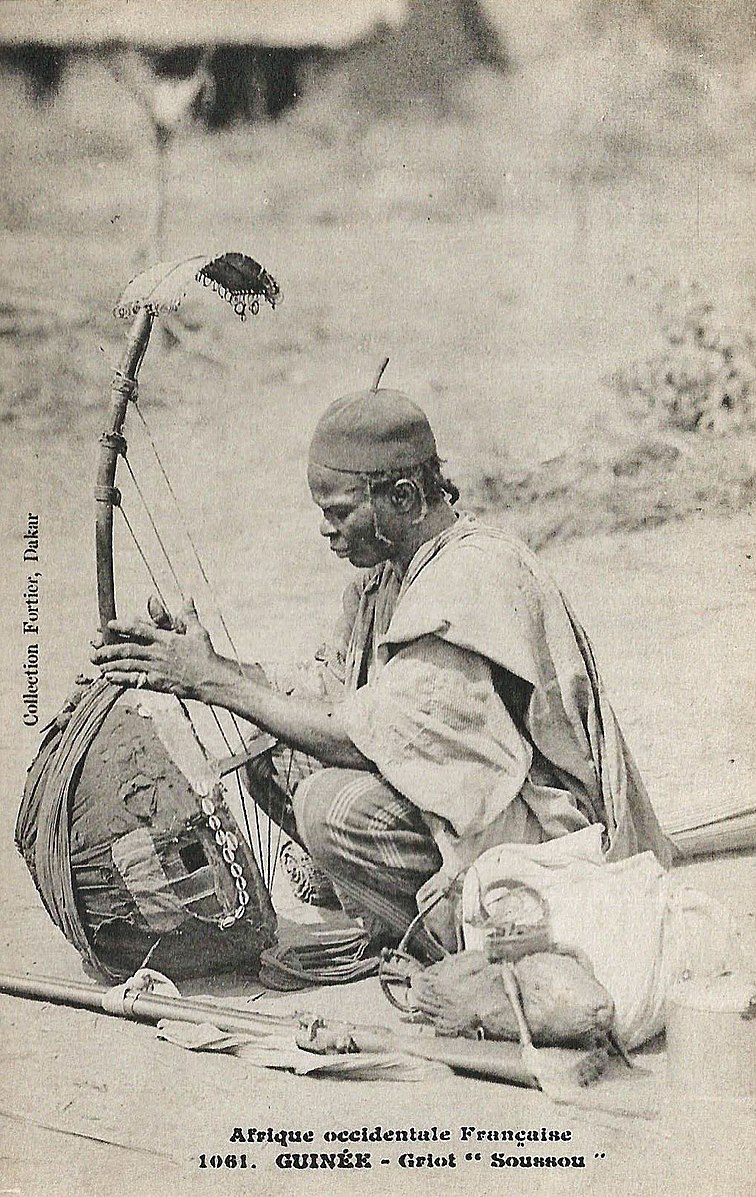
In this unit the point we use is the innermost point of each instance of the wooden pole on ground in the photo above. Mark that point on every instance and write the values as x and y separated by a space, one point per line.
494 1061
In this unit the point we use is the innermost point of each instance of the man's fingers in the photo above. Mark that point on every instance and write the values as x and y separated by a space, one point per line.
134 680
119 652
158 613
124 666
136 629
187 619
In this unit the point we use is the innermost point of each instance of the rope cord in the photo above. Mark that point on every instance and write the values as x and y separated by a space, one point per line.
155 583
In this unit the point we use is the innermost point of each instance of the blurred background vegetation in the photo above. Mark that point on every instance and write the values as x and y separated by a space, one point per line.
542 212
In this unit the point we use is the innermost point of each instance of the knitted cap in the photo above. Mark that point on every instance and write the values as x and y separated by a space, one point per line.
371 432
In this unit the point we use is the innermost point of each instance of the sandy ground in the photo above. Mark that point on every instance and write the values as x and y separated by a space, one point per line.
667 613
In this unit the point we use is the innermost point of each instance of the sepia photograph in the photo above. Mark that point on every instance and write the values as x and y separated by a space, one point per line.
378 441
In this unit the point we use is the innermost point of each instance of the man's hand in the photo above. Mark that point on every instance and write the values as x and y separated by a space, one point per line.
161 617
174 658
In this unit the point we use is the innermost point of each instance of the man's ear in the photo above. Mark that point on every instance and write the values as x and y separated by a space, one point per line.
405 495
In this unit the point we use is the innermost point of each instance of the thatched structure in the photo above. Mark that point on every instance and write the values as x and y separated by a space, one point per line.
261 55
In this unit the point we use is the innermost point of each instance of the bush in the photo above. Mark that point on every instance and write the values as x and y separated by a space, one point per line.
704 378
682 441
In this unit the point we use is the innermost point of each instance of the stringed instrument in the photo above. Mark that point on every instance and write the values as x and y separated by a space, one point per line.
124 824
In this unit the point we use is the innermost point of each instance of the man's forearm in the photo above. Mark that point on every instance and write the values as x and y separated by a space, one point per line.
251 670
312 725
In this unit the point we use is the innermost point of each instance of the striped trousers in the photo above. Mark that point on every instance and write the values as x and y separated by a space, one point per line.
370 841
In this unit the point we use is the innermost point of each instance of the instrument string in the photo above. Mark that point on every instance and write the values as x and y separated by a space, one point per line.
143 556
185 710
264 862
284 800
187 533
155 529
242 799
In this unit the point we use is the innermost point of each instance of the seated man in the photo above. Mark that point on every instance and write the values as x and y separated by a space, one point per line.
460 706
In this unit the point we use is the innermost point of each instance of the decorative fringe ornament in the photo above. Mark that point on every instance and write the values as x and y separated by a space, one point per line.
236 278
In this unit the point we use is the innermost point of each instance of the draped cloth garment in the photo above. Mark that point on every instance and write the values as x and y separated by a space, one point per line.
473 689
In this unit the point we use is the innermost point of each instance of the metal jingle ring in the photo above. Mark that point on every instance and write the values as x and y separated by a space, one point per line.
214 823
208 807
239 913
226 922
228 855
220 837
236 869
244 897
241 883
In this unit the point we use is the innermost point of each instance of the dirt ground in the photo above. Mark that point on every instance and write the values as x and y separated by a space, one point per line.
499 289
667 610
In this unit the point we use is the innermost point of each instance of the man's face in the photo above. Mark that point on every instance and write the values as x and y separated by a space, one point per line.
348 517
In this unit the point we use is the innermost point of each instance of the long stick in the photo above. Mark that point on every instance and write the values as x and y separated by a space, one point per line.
495 1061
111 444
77 1132
143 1007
